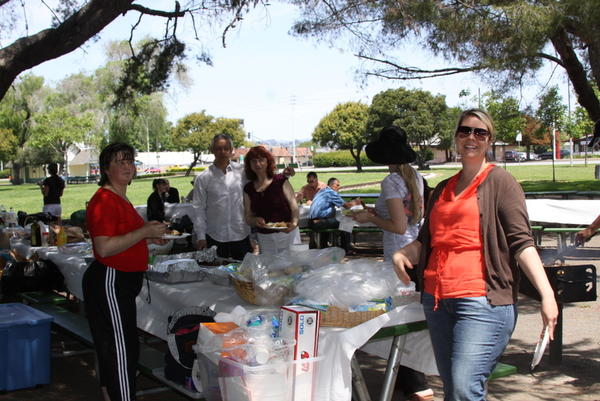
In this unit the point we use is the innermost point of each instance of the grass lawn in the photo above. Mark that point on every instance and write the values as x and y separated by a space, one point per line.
532 178
27 197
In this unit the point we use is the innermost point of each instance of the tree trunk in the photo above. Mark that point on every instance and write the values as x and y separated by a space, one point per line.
357 159
585 93
16 174
192 164
27 52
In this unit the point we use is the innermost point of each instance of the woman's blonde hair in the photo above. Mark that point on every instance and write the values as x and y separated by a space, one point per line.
409 176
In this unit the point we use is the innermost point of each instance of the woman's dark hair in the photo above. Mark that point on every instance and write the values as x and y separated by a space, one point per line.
110 153
258 152
158 181
52 168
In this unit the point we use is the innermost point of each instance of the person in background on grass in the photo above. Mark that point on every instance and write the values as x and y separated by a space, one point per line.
269 198
52 188
587 232
190 196
114 279
308 192
172 194
322 213
155 205
398 212
474 238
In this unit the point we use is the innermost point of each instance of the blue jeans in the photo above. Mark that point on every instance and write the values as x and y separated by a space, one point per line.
468 336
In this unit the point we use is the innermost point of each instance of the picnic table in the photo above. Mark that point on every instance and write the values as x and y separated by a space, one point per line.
337 345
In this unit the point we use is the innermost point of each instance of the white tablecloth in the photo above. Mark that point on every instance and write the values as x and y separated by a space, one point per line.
567 211
337 345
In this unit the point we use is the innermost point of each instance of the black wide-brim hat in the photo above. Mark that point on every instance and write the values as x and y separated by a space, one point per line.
391 147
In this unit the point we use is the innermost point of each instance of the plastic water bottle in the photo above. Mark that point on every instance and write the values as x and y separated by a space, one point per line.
45 236
12 217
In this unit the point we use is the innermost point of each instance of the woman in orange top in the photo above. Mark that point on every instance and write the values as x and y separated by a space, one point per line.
475 235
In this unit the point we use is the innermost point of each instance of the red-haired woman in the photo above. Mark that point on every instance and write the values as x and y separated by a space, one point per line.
269 203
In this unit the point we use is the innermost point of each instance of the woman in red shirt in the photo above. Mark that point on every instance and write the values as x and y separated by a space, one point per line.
475 235
112 281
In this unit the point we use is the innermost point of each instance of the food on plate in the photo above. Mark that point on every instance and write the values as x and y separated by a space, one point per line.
280 224
173 232
347 212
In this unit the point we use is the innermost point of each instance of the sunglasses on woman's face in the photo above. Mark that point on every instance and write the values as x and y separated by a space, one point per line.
463 132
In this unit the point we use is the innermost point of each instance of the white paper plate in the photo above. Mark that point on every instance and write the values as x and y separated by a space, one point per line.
170 236
540 348
275 228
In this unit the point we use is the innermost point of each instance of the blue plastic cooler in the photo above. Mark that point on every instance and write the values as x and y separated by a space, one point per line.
24 347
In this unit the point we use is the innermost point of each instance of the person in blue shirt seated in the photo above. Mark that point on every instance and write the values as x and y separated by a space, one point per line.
322 213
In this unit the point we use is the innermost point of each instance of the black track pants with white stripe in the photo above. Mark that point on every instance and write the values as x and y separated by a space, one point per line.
109 296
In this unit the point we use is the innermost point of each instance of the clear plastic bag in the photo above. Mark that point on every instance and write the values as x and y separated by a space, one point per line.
349 284
273 275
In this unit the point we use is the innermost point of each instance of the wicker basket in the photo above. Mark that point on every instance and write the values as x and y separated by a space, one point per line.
245 290
336 317
255 295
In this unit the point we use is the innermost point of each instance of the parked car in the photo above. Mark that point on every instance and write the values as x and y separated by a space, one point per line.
564 153
514 156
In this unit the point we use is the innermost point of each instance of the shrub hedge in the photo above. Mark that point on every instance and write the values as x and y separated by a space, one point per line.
339 158
183 169
166 174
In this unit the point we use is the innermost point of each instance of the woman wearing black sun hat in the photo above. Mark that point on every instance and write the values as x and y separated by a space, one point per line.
398 212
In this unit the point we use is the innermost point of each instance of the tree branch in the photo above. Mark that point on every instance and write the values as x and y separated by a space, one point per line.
158 13
585 93
551 58
408 73
29 51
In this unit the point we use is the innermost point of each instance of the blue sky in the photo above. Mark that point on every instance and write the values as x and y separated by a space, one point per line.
280 85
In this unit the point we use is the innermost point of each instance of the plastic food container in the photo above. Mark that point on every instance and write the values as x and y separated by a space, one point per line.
24 347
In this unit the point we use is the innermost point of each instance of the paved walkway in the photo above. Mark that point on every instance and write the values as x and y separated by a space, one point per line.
578 376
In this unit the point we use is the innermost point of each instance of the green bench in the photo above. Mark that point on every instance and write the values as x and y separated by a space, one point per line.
562 233
42 297
550 194
151 360
315 234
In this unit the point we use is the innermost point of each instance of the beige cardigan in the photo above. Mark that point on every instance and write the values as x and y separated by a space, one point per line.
506 232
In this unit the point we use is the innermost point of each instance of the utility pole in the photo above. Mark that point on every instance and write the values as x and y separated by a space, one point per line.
293 104
553 152
147 137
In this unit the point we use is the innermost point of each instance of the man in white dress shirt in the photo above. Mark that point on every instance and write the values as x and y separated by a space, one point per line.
219 203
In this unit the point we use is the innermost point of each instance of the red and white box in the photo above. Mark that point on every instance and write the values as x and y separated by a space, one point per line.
302 324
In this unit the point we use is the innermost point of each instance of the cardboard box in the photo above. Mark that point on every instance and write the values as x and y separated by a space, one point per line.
302 324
